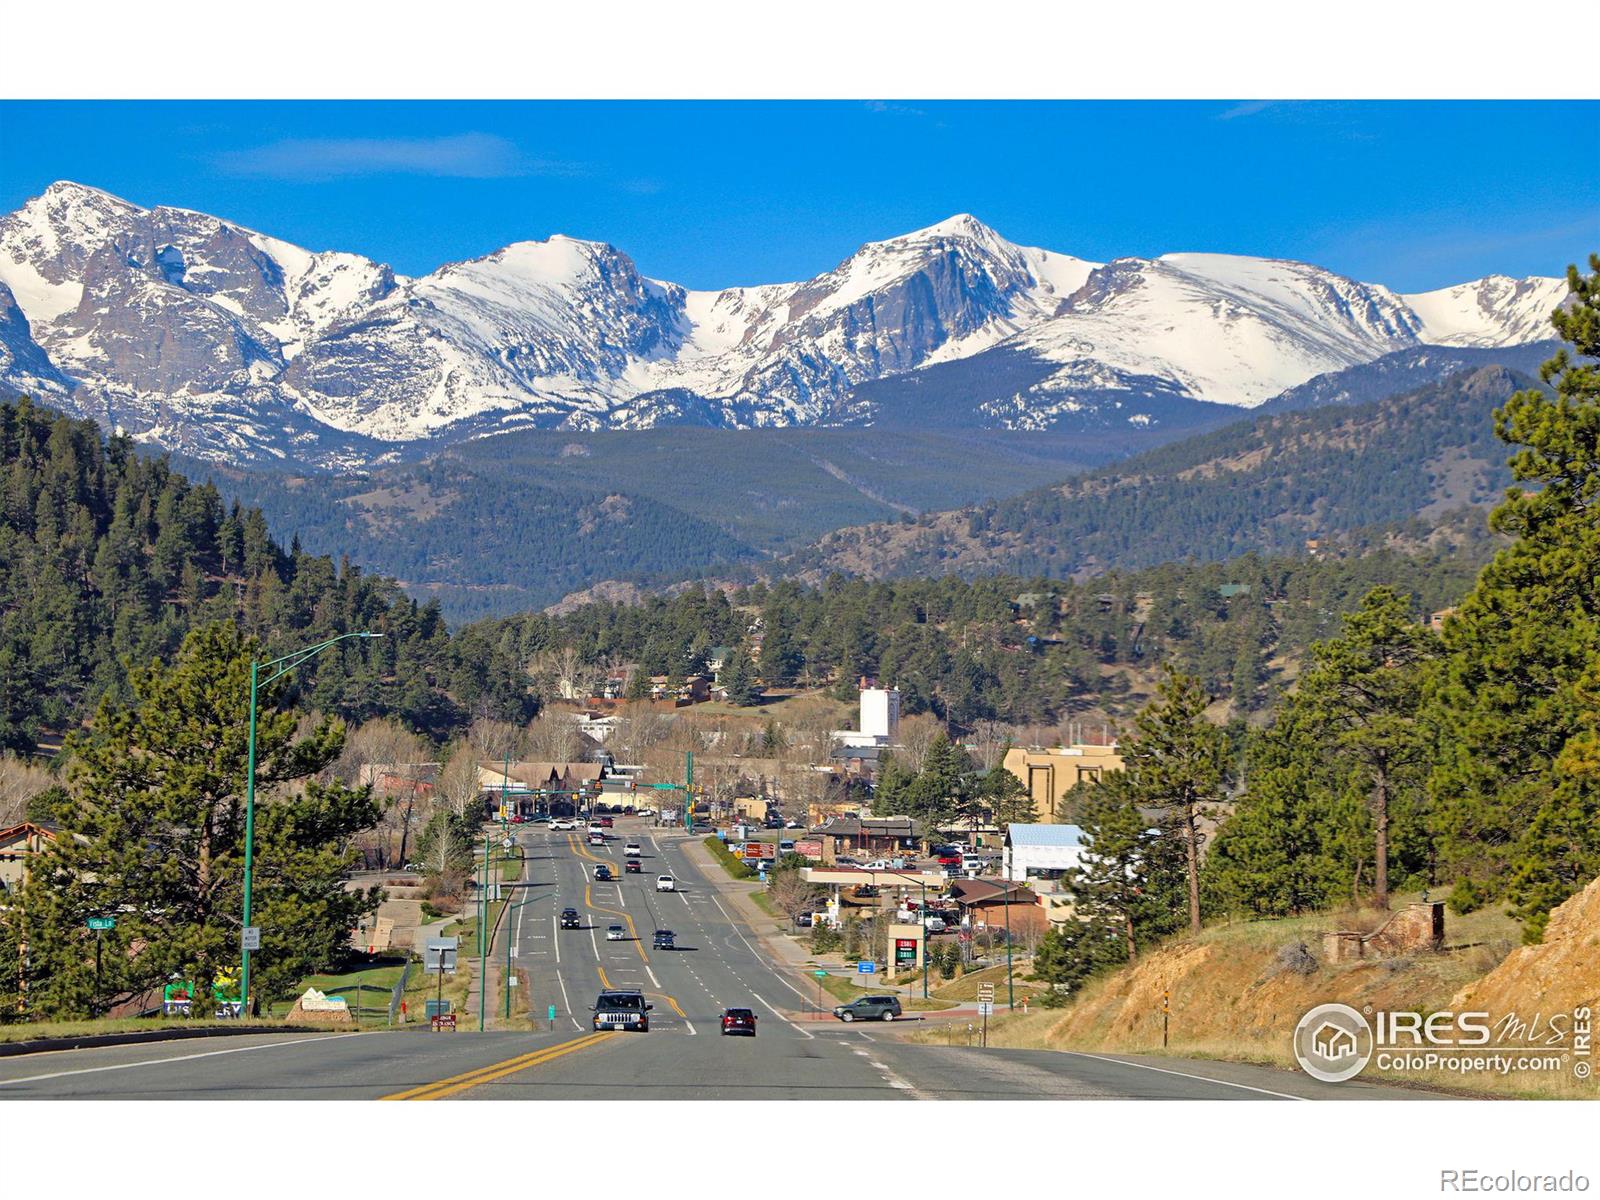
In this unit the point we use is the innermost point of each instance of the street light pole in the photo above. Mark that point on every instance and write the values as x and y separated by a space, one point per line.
284 665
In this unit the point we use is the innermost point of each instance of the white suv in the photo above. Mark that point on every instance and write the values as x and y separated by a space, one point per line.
632 850
666 883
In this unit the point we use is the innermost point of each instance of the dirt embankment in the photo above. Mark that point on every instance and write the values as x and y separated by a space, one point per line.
1560 973
1237 991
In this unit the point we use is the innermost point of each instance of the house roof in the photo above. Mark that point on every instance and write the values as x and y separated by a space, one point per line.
983 891
1044 835
899 827
27 829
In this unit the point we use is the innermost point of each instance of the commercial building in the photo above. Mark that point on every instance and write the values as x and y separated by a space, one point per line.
1048 775
880 717
1040 851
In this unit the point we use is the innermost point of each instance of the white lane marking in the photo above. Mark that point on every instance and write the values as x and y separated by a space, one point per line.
156 1062
565 1001
654 982
1186 1075
592 940
759 957
805 1033
866 1035
555 934
691 1027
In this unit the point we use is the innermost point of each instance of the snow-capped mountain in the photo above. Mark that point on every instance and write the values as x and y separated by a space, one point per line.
192 330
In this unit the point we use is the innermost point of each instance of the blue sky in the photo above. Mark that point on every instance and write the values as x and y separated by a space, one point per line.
1414 195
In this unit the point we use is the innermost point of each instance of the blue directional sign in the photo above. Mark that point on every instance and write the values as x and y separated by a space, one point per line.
866 967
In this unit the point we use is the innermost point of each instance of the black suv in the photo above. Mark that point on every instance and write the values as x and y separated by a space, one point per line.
869 1008
663 940
602 873
569 919
622 1010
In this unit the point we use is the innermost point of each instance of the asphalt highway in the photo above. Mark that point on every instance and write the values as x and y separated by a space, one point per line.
717 964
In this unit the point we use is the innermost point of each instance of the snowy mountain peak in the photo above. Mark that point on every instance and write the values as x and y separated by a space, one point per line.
207 334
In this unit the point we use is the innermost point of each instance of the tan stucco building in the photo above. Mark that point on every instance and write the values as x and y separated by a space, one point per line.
1050 774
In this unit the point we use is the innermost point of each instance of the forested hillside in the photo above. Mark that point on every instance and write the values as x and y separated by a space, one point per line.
108 558
1267 485
1013 648
519 520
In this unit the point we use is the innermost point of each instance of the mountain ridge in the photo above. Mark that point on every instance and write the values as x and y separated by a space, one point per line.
192 331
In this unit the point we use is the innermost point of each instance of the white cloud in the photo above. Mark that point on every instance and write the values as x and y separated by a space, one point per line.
463 155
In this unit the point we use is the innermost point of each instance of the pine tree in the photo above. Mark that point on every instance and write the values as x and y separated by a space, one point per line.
1364 692
1176 764
1518 810
152 830
737 679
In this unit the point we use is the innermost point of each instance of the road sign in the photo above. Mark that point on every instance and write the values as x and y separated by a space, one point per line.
820 974
986 991
905 950
101 922
250 938
985 1007
444 1021
866 967
552 1012
440 954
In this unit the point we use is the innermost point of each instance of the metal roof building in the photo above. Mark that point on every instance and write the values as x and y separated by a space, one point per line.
1040 851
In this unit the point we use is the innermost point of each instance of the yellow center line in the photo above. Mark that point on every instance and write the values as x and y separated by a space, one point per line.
606 983
588 900
470 1079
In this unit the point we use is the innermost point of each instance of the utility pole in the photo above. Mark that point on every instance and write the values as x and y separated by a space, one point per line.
688 791
285 664
483 933
1011 995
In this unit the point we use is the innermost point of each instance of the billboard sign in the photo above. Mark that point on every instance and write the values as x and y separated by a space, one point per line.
905 950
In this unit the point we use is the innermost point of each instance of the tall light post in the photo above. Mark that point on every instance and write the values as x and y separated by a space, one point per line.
284 665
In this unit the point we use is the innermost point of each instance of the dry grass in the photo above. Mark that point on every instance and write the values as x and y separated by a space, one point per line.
1233 999
27 1031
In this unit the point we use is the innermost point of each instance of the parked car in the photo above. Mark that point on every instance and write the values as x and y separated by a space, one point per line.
663 940
616 933
738 1020
865 891
569 918
936 924
666 883
869 1008
803 921
647 812
634 867
791 824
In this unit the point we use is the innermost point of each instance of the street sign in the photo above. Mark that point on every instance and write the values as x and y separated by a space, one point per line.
905 950
440 954
820 974
444 1021
552 1012
250 938
101 922
866 967
986 991
985 1007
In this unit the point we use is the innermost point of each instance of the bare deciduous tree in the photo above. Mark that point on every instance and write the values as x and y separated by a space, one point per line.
20 781
792 894
458 786
916 735
497 740
552 737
